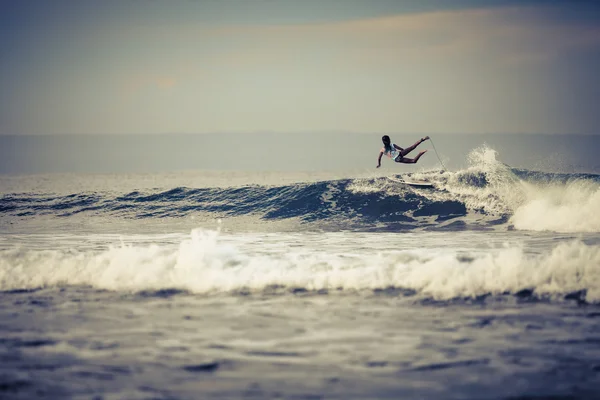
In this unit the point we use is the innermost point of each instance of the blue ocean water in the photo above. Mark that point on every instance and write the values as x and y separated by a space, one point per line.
217 284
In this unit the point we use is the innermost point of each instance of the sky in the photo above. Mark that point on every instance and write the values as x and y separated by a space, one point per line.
285 66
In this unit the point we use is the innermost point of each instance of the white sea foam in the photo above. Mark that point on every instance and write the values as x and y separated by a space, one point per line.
203 264
573 206
570 207
486 185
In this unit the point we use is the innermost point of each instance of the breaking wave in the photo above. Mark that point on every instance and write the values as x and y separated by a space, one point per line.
485 195
203 264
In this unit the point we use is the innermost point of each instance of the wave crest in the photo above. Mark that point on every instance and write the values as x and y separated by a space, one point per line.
485 195
203 264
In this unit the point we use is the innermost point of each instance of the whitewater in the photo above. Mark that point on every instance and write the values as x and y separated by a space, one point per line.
301 285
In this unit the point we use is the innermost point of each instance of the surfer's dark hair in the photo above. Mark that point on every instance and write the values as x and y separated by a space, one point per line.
387 143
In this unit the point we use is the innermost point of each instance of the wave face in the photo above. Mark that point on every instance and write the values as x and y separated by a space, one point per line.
205 263
484 195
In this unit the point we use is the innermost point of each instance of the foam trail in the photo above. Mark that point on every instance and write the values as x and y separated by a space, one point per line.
201 264
573 207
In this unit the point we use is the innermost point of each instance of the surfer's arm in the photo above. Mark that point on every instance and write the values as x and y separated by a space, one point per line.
379 159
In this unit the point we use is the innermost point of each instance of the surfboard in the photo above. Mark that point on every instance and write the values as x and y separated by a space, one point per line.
413 183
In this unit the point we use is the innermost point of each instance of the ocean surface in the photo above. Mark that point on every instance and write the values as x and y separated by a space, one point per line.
289 285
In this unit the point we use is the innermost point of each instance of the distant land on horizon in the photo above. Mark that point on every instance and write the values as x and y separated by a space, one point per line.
95 153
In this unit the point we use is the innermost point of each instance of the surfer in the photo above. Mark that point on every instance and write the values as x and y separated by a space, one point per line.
397 153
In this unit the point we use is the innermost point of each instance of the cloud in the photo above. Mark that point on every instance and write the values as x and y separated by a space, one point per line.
510 35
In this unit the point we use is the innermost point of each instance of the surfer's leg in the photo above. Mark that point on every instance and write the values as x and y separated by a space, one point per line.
412 160
414 146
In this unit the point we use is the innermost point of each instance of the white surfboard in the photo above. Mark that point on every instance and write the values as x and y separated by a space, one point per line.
413 183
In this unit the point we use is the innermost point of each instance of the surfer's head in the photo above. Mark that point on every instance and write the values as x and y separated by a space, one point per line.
386 142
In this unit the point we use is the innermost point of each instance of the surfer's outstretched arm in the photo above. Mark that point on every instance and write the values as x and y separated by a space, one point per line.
379 159
411 148
412 160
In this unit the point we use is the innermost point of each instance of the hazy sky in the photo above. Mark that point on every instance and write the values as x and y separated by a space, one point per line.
151 66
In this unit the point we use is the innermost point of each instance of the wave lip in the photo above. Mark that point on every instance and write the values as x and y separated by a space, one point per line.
202 264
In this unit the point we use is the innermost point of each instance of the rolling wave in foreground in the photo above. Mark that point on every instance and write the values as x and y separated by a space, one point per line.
202 264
